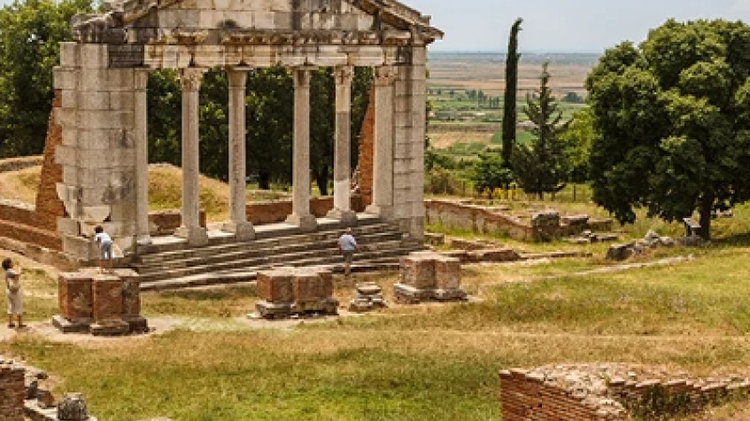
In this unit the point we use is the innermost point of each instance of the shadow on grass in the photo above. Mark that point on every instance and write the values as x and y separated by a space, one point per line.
741 240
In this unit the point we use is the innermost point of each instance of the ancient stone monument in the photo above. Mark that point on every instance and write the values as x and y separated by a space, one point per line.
367 297
288 291
426 276
102 82
100 304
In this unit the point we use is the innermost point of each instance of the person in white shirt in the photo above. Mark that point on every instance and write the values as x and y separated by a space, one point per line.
13 291
105 248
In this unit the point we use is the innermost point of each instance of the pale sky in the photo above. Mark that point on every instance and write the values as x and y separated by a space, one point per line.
561 25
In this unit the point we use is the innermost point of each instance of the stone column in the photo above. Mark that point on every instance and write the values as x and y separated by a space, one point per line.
382 189
190 80
342 161
140 107
238 223
301 215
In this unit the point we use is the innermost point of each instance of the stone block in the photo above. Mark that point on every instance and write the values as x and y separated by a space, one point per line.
275 286
65 78
131 297
67 226
307 288
94 56
447 272
418 271
69 54
110 327
407 294
67 326
75 295
107 298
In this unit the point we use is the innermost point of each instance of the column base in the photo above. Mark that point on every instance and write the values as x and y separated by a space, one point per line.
144 240
195 236
304 222
346 216
241 230
385 212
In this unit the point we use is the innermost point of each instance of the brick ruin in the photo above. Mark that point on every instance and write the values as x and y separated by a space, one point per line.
288 291
25 396
12 391
607 392
100 304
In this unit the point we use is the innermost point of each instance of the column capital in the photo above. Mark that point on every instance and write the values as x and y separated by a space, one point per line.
302 76
190 79
385 75
237 78
343 75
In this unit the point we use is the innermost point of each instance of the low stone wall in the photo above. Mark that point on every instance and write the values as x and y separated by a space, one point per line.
12 391
20 163
166 222
270 212
476 219
609 392
19 221
479 219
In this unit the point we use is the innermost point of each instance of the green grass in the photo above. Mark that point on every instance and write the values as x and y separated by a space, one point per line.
413 362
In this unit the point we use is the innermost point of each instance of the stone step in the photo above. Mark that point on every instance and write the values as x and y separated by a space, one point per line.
251 249
329 235
296 258
271 232
384 260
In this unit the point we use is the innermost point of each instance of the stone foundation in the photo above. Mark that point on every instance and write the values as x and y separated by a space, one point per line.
290 291
100 304
610 392
429 276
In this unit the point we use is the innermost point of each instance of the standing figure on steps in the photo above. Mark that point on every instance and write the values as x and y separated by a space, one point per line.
347 247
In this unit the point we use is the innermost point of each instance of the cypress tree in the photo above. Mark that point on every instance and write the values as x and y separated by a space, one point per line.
511 86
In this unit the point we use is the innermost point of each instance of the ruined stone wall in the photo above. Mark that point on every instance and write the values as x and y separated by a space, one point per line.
12 392
48 206
476 219
366 144
602 392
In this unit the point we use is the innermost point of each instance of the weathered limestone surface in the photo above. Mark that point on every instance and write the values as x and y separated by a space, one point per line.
429 276
290 291
75 296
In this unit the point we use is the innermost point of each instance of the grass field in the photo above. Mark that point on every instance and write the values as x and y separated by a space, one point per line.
414 363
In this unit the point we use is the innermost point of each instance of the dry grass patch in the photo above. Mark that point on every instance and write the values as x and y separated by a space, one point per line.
20 185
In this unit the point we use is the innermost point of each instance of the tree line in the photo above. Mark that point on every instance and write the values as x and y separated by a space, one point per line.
30 33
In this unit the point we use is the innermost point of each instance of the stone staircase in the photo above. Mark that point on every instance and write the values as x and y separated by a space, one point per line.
170 264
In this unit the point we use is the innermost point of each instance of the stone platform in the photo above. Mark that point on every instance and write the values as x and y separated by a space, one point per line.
106 304
427 276
288 291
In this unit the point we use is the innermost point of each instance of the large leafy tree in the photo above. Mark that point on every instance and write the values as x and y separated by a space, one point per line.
672 122
30 33
542 166
511 88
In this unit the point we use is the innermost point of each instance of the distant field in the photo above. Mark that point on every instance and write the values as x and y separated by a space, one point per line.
486 71
455 77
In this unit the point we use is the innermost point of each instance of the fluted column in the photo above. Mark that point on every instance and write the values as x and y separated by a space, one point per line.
143 235
301 215
190 80
238 223
342 150
382 189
